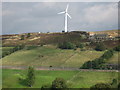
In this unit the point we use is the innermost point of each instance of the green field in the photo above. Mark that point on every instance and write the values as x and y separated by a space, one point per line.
5 49
114 59
50 56
75 79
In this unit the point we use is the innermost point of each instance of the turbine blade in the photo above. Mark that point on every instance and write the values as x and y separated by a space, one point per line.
61 12
67 7
69 15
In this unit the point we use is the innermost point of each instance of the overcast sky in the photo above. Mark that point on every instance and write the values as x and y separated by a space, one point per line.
42 16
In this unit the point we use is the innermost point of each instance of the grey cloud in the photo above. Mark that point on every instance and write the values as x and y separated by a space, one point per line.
43 17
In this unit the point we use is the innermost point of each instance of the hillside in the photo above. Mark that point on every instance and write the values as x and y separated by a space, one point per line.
44 38
50 56
113 33
56 38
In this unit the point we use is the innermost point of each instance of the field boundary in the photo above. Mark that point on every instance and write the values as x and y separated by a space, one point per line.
55 68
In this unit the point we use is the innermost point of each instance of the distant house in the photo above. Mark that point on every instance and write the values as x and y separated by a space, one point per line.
100 37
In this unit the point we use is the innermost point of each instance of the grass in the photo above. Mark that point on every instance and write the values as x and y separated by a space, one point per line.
75 79
50 56
5 49
114 59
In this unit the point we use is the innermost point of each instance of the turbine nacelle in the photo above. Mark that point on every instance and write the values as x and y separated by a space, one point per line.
66 14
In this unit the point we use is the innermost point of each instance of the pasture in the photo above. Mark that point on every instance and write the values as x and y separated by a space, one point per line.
50 56
5 49
75 79
114 59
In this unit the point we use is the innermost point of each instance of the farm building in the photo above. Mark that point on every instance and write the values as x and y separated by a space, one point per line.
101 37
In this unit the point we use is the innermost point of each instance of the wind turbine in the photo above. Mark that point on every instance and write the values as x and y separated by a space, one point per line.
66 15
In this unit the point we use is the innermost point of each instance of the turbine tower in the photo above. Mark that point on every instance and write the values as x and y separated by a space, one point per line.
66 15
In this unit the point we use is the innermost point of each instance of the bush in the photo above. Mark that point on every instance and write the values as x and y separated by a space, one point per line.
22 80
79 45
108 54
117 48
28 35
100 47
59 83
44 87
101 86
22 37
87 65
114 83
66 45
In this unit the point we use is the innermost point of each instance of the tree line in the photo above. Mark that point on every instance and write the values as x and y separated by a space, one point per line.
99 63
14 49
69 45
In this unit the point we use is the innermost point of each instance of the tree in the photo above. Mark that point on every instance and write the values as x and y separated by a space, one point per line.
117 48
30 77
108 54
100 47
59 83
22 37
47 86
101 86
66 45
28 35
98 62
79 45
87 65
114 83
119 86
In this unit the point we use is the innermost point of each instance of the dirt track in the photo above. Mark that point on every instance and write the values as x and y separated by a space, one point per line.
55 68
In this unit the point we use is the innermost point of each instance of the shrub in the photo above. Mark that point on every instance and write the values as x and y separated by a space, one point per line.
59 83
44 87
87 65
66 45
22 37
100 47
22 80
79 45
117 48
114 83
101 86
108 54
28 35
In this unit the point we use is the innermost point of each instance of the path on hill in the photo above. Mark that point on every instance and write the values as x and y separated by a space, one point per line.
67 59
54 68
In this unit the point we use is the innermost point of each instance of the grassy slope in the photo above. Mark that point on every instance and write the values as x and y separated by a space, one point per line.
76 79
5 49
114 59
46 56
